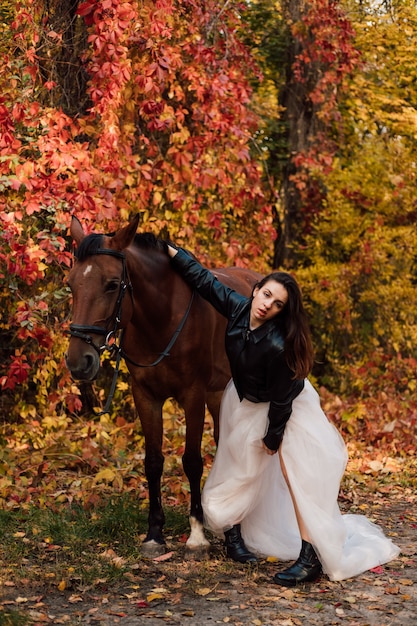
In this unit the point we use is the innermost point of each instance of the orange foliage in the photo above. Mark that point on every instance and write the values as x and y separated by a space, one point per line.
167 134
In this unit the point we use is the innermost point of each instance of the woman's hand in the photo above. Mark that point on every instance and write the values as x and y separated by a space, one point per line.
268 450
171 251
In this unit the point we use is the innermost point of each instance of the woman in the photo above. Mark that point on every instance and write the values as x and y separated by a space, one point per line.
267 503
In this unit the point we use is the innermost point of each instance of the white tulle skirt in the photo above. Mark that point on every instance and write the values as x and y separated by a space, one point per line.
246 485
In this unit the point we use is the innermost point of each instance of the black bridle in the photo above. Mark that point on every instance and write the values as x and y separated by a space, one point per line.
82 331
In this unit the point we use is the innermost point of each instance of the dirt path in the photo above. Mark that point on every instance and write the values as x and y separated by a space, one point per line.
218 591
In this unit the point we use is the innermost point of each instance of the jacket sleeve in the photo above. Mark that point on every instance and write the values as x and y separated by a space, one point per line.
206 284
279 414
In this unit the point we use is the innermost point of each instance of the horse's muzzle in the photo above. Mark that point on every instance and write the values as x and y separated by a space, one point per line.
84 364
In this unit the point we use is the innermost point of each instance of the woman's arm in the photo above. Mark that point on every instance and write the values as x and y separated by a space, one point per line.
223 298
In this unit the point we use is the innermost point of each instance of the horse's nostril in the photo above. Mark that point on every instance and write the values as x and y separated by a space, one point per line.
89 361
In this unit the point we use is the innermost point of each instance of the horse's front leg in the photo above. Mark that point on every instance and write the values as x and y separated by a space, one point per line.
150 415
197 545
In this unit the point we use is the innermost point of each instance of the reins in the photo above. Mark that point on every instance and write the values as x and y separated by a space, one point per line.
82 331
174 338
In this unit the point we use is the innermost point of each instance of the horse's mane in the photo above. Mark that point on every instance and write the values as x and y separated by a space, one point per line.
89 246
148 240
94 242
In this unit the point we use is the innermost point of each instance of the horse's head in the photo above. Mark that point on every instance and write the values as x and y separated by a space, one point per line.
98 282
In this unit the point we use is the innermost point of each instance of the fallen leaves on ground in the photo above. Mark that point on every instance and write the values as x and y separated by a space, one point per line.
174 590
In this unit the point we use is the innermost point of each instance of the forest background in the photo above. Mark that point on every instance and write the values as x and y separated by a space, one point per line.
263 134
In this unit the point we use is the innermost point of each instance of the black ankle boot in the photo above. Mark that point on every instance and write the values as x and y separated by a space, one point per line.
235 546
307 568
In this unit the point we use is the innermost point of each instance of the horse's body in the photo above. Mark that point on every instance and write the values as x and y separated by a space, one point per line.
153 315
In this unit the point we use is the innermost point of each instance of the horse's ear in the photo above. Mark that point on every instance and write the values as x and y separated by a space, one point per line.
76 230
124 237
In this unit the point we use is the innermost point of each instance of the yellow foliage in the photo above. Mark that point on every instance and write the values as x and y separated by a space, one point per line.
27 411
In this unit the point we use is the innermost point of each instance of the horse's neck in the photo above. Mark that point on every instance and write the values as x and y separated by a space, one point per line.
154 287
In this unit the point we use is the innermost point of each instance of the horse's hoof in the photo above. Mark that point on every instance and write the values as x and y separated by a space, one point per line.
151 549
197 546
197 553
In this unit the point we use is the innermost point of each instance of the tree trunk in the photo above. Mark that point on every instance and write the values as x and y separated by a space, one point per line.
60 57
299 119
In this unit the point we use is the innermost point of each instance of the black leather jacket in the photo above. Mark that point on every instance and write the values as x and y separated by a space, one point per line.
257 361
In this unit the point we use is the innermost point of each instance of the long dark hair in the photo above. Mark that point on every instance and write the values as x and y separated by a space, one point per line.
292 319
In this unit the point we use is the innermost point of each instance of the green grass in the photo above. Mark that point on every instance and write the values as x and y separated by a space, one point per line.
66 545
12 618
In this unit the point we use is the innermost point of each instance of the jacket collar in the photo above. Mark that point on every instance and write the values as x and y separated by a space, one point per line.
263 330
258 333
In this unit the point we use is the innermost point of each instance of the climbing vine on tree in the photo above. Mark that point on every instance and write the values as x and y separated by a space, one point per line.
163 128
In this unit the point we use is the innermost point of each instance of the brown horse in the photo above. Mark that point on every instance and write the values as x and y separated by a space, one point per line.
172 341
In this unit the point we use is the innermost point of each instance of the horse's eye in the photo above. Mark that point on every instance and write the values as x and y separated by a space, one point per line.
111 286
